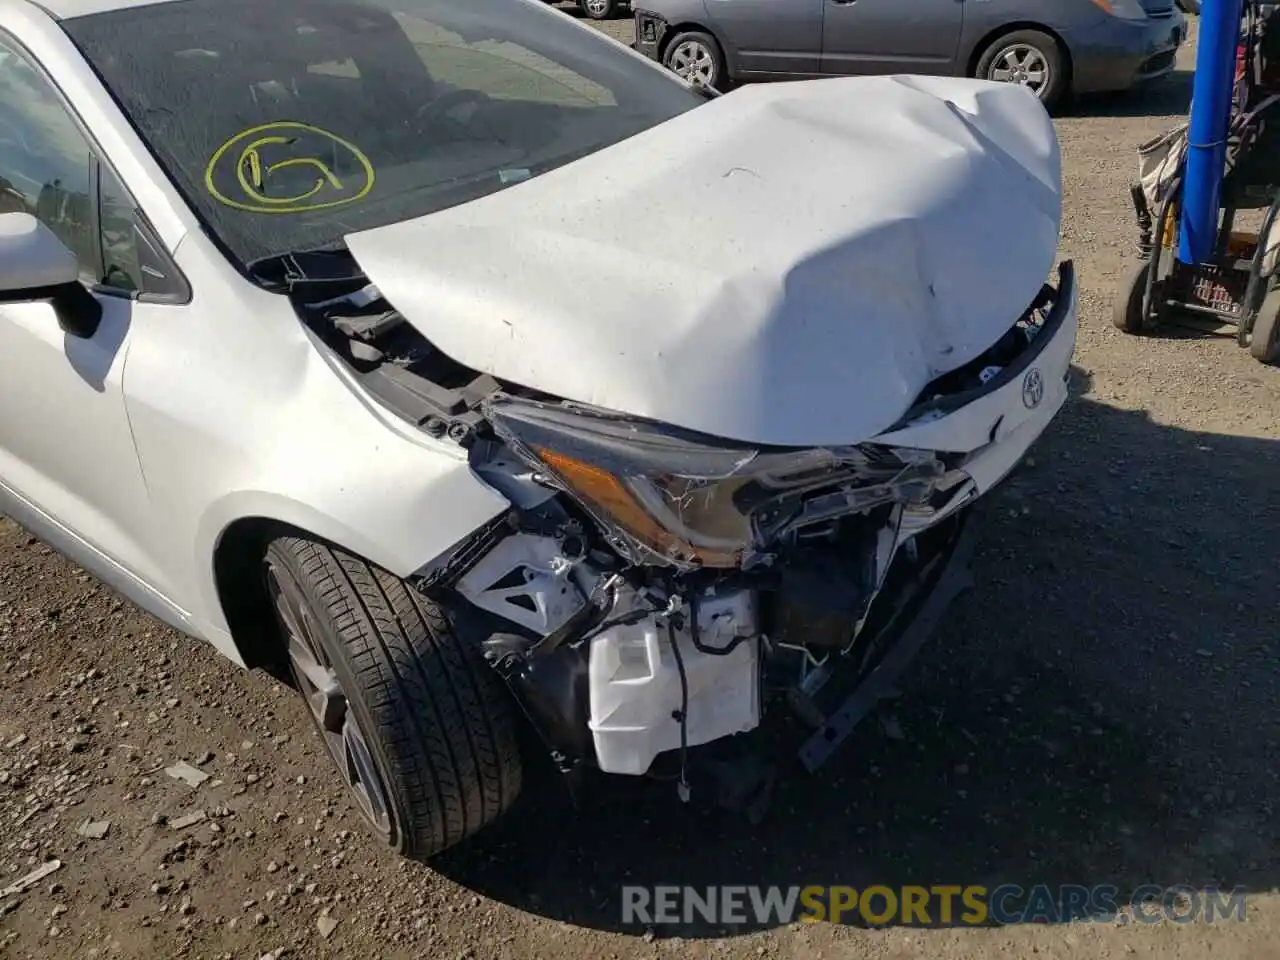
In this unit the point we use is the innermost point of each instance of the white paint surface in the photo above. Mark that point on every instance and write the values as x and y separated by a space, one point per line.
789 264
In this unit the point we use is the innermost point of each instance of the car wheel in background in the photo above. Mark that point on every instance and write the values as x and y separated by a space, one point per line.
599 9
695 56
1265 341
1190 7
1030 58
419 726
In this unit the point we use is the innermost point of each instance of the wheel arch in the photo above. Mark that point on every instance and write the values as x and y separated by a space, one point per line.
984 43
235 535
241 592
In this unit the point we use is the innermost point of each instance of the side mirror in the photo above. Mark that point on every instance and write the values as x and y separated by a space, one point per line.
35 265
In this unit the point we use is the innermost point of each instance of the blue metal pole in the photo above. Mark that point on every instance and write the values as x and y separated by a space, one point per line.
1210 117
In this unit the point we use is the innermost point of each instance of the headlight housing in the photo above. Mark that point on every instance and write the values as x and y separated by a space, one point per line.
681 499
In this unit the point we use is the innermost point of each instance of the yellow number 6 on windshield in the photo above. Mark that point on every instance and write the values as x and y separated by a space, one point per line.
241 178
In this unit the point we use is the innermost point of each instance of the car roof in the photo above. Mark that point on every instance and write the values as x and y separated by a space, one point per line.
66 9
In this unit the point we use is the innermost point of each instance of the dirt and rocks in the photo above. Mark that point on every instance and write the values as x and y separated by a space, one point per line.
1102 710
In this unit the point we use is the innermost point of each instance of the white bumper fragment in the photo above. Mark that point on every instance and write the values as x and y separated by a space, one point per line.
997 428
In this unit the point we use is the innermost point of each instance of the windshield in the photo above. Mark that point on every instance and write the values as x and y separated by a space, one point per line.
290 123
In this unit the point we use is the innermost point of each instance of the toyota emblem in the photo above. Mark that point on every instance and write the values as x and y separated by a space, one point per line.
1032 389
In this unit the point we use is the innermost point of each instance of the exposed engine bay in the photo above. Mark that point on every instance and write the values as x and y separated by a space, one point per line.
652 590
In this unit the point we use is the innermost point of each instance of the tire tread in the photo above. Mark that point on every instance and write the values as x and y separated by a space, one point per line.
442 716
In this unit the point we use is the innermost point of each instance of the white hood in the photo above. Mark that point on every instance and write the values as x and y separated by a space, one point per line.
789 264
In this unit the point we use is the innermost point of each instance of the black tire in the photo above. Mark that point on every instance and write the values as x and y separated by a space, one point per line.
598 9
1264 343
1126 312
1190 7
993 61
708 54
436 720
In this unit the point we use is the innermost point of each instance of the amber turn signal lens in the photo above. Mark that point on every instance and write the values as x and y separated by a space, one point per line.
603 492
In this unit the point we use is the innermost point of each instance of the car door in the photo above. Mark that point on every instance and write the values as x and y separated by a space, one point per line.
891 36
68 465
770 37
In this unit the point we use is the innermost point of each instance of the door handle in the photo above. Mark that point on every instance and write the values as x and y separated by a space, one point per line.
844 3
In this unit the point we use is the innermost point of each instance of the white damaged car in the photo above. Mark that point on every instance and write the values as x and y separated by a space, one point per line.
469 370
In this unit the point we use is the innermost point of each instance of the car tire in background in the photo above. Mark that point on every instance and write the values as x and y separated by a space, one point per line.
1031 58
696 56
599 9
420 727
1190 7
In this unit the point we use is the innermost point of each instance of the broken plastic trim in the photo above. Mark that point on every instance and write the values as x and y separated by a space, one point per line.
551 689
914 616
548 677
1061 297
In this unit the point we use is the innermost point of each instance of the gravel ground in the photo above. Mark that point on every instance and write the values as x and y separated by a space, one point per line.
1100 710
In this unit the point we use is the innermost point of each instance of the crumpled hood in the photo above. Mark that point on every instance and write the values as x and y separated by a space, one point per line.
789 264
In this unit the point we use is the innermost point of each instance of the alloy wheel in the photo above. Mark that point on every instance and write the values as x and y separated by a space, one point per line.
320 687
1023 64
692 61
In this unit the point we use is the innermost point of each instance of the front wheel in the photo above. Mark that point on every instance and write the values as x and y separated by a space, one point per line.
695 56
1029 58
419 727
598 9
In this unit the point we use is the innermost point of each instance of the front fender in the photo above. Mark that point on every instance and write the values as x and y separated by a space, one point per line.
398 513
250 417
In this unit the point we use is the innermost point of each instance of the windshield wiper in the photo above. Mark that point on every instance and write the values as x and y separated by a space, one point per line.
286 272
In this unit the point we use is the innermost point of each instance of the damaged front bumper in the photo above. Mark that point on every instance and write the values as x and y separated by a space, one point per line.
646 681
620 666
910 615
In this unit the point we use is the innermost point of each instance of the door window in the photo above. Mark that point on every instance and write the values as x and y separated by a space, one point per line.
46 165
48 169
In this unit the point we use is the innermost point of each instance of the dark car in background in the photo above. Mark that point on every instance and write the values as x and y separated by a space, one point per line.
1056 47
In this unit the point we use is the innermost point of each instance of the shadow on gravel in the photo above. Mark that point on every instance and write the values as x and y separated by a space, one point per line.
1101 710
1170 95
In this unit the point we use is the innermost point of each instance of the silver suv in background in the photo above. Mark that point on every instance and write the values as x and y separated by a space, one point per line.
1055 48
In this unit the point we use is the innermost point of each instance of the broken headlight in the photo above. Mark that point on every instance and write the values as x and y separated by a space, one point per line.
676 497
